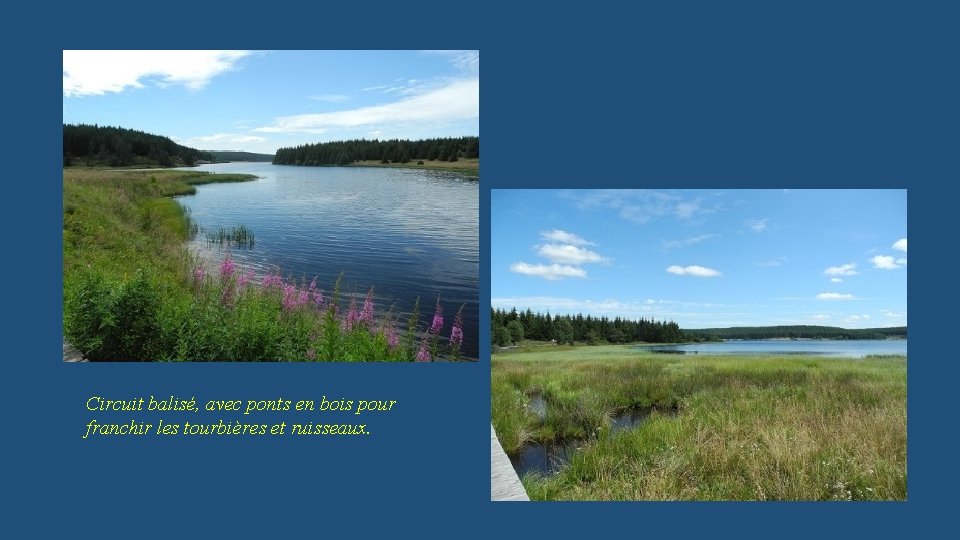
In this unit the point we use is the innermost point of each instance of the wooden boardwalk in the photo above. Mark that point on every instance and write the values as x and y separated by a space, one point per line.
504 483
71 354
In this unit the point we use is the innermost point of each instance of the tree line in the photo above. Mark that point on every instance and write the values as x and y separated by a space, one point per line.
509 327
390 151
797 332
117 147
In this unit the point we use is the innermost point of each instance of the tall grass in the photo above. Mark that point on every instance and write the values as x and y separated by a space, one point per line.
132 291
748 428
237 236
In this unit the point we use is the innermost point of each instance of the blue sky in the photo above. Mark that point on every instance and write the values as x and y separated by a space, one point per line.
704 258
258 101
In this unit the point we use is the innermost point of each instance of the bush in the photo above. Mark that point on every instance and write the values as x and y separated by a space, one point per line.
501 336
113 322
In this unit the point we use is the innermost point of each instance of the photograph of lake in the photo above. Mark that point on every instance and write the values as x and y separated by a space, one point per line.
738 345
271 206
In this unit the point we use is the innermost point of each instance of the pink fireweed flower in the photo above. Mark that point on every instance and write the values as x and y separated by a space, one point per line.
289 300
456 335
366 316
315 294
311 354
423 354
437 323
391 336
351 318
199 274
226 267
243 279
272 280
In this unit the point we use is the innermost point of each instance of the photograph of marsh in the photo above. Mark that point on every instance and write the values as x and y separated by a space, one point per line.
271 205
744 345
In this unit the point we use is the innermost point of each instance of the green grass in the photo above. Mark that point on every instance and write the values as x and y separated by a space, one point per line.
748 428
122 221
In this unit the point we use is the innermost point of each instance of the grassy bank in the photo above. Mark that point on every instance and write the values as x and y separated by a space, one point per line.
467 166
132 291
728 428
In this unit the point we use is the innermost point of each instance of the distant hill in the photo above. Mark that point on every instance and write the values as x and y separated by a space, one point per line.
231 155
797 332
94 145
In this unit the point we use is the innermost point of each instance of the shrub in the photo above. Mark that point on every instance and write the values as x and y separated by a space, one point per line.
113 322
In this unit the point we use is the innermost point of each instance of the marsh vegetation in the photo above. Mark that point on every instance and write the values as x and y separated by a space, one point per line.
713 428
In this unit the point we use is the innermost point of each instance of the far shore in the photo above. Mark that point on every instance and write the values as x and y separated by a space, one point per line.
465 166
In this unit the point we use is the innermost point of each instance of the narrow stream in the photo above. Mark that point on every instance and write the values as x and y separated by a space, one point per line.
549 458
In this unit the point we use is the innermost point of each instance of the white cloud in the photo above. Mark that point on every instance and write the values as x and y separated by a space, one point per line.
566 257
564 237
693 270
466 61
642 206
770 263
686 210
885 262
834 296
902 261
94 73
568 254
331 98
203 142
669 244
900 244
848 269
551 272
836 280
758 225
219 141
458 100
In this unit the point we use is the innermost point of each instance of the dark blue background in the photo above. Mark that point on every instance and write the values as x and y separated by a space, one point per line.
676 94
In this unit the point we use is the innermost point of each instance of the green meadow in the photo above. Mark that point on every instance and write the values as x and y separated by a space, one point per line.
720 427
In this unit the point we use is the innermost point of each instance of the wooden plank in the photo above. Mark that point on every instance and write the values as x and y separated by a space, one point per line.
504 483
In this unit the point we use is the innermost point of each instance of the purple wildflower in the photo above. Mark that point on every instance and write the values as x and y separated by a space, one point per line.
226 267
437 324
289 297
423 354
272 280
351 318
311 354
199 274
392 339
366 316
316 294
243 279
456 334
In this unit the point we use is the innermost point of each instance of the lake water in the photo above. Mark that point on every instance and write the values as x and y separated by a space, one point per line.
409 233
837 348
